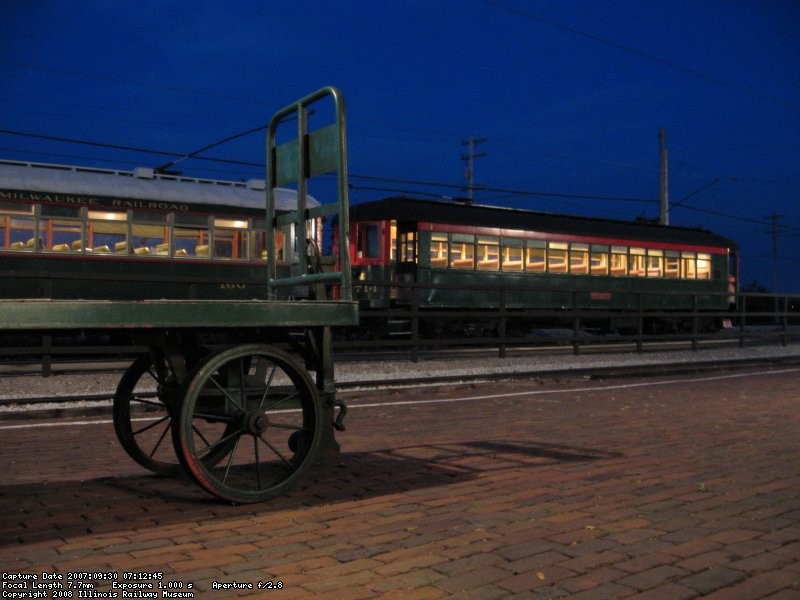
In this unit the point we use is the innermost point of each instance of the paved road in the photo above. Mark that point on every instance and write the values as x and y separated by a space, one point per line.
657 488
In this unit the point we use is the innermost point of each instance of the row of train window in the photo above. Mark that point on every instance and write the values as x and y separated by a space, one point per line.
489 253
492 253
141 234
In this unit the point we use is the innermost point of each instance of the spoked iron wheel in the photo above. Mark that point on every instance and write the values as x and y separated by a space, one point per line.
142 418
144 403
259 406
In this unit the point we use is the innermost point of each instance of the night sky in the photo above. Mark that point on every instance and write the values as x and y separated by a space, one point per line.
568 98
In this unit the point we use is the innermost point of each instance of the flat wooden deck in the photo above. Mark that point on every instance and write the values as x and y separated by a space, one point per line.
44 314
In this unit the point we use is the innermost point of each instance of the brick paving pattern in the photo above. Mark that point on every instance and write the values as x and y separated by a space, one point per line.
570 489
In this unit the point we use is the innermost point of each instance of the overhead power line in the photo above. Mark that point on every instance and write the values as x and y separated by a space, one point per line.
504 190
194 155
169 88
180 155
163 168
511 192
641 54
737 217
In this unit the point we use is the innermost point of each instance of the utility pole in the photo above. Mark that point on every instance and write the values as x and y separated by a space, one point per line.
774 231
663 189
469 172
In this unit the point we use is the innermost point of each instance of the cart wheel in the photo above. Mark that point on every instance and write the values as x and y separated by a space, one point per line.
262 409
142 419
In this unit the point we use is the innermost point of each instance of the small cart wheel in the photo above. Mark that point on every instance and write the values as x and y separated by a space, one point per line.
142 418
144 403
257 406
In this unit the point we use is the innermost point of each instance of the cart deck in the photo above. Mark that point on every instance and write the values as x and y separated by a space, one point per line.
44 314
245 422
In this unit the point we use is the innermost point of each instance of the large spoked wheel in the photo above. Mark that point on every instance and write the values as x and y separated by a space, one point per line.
255 404
142 417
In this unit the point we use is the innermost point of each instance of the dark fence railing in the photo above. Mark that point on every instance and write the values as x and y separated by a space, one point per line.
495 322
414 326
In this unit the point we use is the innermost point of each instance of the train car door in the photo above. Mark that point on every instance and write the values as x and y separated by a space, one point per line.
407 258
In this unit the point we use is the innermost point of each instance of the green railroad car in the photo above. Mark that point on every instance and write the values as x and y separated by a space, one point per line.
81 233
458 256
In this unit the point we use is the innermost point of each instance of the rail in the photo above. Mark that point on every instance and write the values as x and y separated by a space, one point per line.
25 406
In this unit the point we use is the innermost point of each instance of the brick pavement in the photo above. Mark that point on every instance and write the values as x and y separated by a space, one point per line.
579 489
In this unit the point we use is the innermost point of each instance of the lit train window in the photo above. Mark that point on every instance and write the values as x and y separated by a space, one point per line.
672 264
599 260
230 243
5 222
536 256
408 247
280 244
512 254
187 240
557 257
462 251
17 225
259 241
21 233
149 239
190 235
106 232
230 238
62 235
619 261
688 265
149 234
488 253
579 258
438 249
61 228
655 263
703 266
393 241
636 262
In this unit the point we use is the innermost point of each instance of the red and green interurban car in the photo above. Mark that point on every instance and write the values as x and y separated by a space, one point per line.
461 256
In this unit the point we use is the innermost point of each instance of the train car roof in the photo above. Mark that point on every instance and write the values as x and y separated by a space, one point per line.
452 213
141 184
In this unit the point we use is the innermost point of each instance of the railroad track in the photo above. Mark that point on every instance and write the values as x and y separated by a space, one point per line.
100 403
556 346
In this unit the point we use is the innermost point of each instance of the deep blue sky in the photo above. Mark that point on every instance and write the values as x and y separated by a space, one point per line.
569 94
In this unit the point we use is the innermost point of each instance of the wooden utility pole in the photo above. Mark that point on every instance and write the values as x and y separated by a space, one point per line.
469 172
774 230
663 191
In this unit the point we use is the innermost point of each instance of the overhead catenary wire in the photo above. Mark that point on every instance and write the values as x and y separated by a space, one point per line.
54 138
115 79
507 191
195 156
644 55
